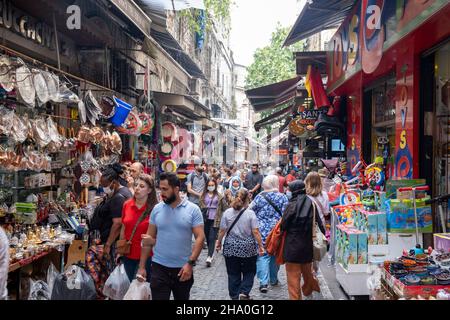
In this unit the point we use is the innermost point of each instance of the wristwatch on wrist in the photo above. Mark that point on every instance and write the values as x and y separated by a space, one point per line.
191 262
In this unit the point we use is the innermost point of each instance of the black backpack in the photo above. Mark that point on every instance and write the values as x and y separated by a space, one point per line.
205 177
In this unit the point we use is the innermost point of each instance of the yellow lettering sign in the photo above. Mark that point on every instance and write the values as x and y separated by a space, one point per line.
403 139
354 40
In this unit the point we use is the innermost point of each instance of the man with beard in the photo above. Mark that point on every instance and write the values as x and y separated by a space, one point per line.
253 181
172 224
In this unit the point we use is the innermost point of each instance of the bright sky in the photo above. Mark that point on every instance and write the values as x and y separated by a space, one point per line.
253 21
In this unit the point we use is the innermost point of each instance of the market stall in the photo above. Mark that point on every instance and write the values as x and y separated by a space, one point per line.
385 229
56 132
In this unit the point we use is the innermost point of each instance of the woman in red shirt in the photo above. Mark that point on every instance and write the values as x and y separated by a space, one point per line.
143 201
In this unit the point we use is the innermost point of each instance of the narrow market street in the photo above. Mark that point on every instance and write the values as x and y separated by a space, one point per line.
188 150
212 283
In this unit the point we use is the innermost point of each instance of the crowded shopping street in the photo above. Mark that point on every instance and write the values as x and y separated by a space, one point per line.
224 150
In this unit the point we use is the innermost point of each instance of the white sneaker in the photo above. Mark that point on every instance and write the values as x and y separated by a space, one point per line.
208 261
310 297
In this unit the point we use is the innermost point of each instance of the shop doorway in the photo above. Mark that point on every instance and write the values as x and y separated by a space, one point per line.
379 122
435 127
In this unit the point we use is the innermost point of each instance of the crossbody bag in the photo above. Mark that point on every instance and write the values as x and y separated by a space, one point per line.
319 242
235 246
205 211
123 246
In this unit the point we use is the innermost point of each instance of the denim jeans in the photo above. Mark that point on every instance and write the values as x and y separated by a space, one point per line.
267 269
211 236
132 266
241 274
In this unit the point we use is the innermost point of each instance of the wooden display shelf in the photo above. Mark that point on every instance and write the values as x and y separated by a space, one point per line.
24 262
14 266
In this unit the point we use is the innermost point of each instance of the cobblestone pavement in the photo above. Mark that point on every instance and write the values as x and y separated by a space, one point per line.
212 283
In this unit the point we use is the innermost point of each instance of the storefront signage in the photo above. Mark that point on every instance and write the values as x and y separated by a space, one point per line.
309 116
354 132
404 120
372 28
304 121
280 152
28 27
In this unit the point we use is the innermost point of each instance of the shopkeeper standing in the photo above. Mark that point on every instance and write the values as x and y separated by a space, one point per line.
107 217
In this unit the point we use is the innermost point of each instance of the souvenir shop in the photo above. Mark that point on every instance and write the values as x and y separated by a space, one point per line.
186 133
56 131
393 215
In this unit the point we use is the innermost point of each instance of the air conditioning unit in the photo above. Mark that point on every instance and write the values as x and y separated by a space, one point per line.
194 86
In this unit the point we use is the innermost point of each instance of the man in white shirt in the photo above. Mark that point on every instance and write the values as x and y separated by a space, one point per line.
4 264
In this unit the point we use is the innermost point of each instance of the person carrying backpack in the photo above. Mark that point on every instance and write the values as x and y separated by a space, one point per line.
196 183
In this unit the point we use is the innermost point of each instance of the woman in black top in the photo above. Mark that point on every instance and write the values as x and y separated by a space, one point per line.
297 221
107 217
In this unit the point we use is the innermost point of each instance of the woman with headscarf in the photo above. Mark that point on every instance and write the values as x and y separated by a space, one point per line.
235 185
268 206
298 247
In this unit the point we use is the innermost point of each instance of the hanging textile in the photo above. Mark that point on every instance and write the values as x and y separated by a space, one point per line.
314 86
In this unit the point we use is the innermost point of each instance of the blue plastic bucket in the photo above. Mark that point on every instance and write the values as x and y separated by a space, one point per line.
122 111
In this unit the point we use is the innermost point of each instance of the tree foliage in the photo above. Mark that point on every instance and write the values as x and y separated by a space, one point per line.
214 9
272 63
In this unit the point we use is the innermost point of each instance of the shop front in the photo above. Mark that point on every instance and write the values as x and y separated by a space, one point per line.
60 123
375 60
390 60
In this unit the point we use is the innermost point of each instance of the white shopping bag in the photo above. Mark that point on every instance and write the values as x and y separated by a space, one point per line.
139 290
117 284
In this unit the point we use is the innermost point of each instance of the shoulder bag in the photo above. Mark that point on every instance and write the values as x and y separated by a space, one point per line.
272 204
235 246
275 243
206 210
319 242
123 246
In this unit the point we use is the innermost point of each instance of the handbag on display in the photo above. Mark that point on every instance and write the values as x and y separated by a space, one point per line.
123 246
235 246
319 241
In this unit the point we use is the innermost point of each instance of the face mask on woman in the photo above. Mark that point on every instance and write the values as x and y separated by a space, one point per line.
211 188
289 195
108 190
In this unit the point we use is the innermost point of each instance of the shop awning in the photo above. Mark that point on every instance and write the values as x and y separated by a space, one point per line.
316 58
274 117
318 15
135 14
172 47
273 95
163 5
281 131
183 104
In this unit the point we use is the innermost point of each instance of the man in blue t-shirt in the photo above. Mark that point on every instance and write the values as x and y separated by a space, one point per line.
172 223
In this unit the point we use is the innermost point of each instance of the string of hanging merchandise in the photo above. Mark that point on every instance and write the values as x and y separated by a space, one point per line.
62 72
